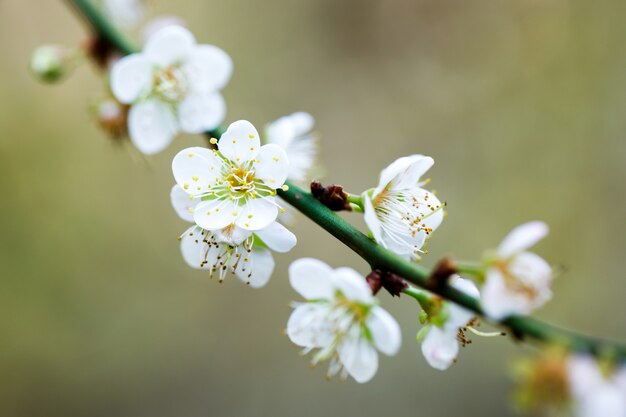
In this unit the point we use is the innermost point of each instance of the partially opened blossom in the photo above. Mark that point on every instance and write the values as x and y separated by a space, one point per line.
294 133
341 318
517 281
230 249
173 86
237 183
112 116
447 323
399 213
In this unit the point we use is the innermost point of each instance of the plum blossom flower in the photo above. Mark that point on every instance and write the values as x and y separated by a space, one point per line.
399 213
242 252
173 86
516 281
340 318
236 183
124 13
447 325
596 393
294 134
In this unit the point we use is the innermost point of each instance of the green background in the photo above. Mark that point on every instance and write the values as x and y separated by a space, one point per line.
521 103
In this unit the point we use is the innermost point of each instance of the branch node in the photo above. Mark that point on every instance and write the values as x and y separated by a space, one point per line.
441 273
394 284
332 196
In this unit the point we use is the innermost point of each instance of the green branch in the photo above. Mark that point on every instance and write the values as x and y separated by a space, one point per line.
522 327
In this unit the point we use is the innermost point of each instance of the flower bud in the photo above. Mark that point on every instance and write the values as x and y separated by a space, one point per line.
51 63
112 117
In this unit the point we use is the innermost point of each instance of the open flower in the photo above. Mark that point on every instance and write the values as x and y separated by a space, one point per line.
341 318
237 184
294 134
447 325
173 85
399 213
242 252
516 281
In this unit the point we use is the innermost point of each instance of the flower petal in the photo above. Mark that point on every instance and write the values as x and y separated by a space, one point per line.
429 208
498 301
371 219
208 68
200 112
411 176
312 279
396 169
277 237
214 214
193 248
353 285
183 203
439 348
522 238
460 316
131 78
196 170
240 143
359 358
232 235
151 126
583 374
272 165
308 326
258 270
385 331
170 45
256 213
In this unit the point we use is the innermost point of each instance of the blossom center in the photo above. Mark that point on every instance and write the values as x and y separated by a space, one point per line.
170 83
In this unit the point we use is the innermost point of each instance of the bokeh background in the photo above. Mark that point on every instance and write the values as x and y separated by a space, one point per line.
522 103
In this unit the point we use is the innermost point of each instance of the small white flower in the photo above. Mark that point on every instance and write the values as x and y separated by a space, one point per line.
124 13
173 85
341 318
52 63
440 345
593 393
232 248
237 184
400 213
517 282
294 134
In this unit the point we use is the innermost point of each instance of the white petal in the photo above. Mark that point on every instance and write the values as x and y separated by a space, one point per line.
359 358
193 248
256 214
531 270
522 237
312 279
240 143
498 301
439 348
308 327
131 78
259 268
429 208
607 401
385 331
411 176
183 203
196 169
208 68
584 375
170 45
200 112
277 237
353 285
285 130
214 214
398 168
272 165
460 316
151 126
232 235
371 219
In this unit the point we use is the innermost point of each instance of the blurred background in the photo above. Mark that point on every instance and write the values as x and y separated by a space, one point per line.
522 104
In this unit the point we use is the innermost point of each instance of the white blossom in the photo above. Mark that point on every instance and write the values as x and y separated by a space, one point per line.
173 85
294 134
124 13
440 344
340 318
242 252
236 183
517 282
594 393
399 213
